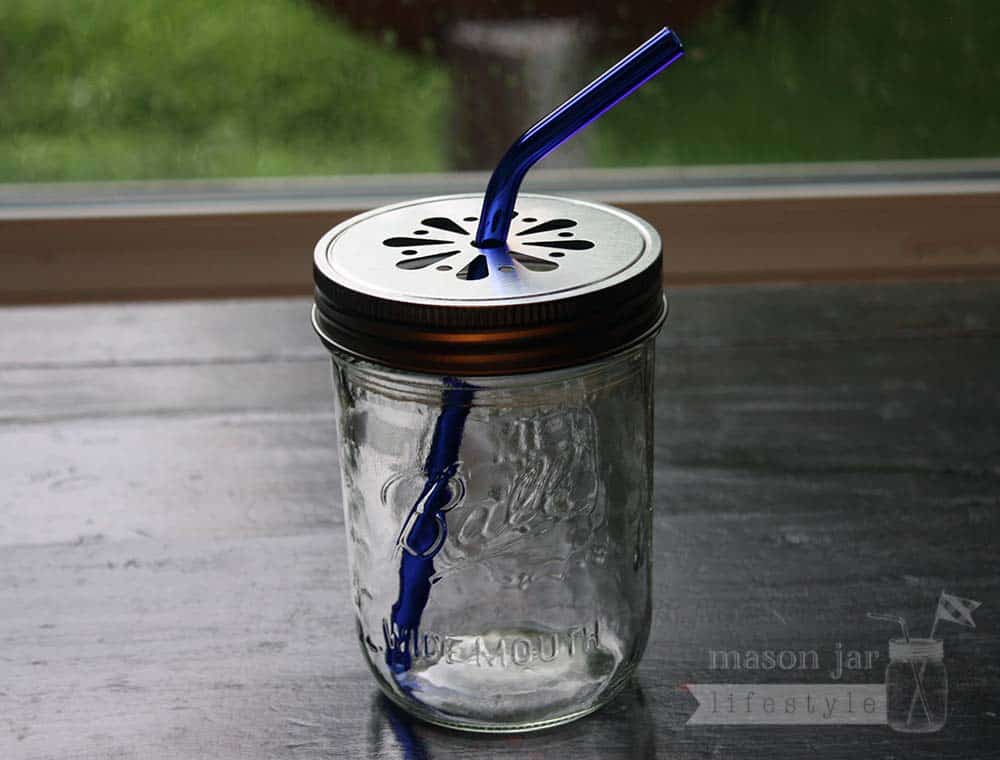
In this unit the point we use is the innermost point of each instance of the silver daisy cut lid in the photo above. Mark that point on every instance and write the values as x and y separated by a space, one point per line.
403 285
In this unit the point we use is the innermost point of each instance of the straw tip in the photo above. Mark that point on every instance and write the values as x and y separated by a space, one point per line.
670 34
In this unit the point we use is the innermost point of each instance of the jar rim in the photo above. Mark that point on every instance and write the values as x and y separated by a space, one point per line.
336 349
509 390
916 649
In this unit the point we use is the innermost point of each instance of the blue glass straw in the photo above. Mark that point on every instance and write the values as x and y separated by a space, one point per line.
618 82
425 529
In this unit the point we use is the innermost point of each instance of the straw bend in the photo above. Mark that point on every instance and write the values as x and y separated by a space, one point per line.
618 82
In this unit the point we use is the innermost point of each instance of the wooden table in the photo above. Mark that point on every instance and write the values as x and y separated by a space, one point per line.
170 527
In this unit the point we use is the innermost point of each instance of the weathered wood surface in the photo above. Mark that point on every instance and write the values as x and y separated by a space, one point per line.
171 582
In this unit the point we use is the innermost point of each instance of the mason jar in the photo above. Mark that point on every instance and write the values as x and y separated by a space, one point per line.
916 686
495 415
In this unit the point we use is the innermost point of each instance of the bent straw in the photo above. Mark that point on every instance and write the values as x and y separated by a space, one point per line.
618 82
893 619
425 528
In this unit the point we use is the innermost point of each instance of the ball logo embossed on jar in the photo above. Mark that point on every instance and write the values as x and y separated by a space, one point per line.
541 479
398 490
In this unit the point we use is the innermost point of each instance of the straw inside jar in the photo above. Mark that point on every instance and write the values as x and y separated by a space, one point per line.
425 529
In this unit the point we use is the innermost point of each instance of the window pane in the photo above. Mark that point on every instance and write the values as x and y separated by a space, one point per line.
139 89
825 80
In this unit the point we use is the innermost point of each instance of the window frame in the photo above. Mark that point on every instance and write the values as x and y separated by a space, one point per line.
253 237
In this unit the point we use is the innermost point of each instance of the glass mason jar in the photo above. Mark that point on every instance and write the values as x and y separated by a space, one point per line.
496 455
916 686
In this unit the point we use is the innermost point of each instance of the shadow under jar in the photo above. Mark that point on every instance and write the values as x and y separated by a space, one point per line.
496 429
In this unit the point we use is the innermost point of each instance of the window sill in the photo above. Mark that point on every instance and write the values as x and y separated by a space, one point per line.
230 238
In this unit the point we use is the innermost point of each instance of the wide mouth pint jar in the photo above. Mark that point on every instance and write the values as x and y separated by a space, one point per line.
495 414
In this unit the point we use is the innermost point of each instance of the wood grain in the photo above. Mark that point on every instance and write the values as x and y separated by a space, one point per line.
171 582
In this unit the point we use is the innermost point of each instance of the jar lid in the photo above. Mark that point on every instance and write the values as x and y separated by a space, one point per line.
916 649
403 285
